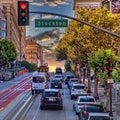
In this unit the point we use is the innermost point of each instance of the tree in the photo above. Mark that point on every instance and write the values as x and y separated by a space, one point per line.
99 63
116 75
8 52
81 41
30 66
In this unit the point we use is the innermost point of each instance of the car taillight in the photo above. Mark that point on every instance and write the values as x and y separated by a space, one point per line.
85 114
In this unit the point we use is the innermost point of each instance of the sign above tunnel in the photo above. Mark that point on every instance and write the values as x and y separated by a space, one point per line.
51 23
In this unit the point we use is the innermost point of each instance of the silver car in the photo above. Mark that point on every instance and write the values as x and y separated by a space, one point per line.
81 101
77 89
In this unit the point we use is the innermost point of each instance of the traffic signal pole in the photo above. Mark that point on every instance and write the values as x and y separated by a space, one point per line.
81 21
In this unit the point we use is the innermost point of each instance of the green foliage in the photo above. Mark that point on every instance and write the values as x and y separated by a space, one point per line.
81 41
116 75
8 52
30 66
99 60
99 63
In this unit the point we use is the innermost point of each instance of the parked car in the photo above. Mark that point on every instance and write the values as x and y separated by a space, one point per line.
56 83
96 116
82 100
90 108
71 81
77 89
51 98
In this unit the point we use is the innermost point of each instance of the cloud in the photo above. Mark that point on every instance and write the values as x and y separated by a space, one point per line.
47 16
32 18
51 3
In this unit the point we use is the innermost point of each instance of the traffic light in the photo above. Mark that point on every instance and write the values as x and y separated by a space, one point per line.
109 67
23 13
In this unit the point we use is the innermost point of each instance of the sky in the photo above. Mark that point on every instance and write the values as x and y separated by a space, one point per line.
49 37
55 6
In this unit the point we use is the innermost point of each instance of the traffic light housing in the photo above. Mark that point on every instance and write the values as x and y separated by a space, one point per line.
23 13
109 67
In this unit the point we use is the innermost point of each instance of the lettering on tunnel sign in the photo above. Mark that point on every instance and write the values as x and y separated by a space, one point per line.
51 22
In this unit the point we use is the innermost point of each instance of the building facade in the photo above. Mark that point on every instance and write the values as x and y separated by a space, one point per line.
14 33
2 22
34 52
93 4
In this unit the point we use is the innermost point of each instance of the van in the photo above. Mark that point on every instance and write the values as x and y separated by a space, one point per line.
39 82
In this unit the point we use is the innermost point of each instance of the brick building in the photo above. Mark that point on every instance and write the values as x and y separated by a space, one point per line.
34 52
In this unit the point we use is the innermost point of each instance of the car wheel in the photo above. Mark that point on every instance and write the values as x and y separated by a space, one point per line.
41 107
73 107
32 92
77 113
71 97
61 108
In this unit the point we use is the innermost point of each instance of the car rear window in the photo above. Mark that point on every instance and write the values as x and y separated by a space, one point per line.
78 87
99 118
87 100
39 79
58 80
51 94
91 108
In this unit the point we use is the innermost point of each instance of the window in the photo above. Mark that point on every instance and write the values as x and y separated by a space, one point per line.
38 79
87 100
51 94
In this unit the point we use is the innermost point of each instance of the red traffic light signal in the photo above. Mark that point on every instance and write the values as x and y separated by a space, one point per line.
23 13
23 5
109 66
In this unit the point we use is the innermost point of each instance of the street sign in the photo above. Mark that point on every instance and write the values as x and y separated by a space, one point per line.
51 22
110 80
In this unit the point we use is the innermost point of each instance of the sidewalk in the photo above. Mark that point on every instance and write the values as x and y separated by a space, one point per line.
115 102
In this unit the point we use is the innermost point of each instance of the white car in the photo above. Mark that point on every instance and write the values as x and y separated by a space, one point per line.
59 76
77 89
95 116
81 101
71 81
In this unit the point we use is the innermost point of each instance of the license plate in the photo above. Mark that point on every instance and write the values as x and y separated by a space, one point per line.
51 99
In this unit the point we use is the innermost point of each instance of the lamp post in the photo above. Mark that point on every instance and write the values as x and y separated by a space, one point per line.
110 81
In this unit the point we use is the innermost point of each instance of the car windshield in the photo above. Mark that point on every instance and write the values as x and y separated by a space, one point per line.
78 87
87 100
99 118
51 94
74 80
58 80
39 79
94 108
58 76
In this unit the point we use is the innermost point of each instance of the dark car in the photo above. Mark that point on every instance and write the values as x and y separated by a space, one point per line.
90 108
58 70
67 78
56 83
51 98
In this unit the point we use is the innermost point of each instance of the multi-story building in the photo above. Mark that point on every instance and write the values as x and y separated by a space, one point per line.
2 22
14 33
34 52
93 4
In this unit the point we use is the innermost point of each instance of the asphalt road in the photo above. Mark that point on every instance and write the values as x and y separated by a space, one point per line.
67 113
